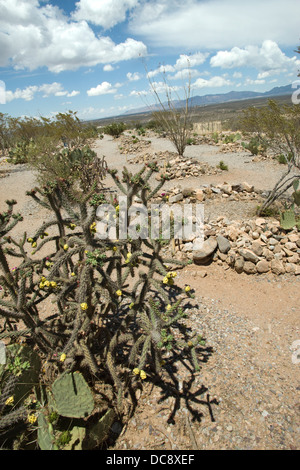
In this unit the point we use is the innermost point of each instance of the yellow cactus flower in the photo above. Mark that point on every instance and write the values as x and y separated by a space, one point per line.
10 401
30 240
115 248
119 293
117 208
63 357
32 418
93 227
53 284
47 283
42 285
73 274
169 307
143 375
136 371
84 306
187 289
66 247
33 244
166 280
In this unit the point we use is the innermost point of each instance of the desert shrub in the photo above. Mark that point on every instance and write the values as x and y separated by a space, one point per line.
222 166
256 146
215 137
231 138
277 127
20 152
95 316
114 129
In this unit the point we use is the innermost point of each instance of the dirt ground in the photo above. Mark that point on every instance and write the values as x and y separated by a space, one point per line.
246 395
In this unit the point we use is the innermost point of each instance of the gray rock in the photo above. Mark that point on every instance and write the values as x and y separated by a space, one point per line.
239 264
249 255
176 198
257 248
223 244
204 254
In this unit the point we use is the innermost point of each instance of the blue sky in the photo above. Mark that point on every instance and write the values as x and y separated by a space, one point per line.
96 56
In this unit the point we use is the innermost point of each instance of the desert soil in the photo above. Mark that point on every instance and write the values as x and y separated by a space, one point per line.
246 395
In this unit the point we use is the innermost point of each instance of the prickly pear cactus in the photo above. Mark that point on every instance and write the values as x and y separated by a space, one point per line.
45 436
99 432
72 396
288 220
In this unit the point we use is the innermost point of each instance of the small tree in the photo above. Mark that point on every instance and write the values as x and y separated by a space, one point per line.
173 117
277 127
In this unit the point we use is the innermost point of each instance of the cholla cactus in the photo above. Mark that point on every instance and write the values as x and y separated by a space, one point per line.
104 317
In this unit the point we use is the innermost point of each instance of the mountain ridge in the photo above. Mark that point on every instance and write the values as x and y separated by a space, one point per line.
219 98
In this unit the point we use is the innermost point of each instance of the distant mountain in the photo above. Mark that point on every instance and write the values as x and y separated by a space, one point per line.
222 98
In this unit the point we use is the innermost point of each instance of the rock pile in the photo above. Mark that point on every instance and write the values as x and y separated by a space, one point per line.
176 167
221 192
254 246
132 145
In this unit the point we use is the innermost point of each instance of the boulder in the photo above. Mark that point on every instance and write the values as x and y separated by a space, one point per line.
202 253
223 244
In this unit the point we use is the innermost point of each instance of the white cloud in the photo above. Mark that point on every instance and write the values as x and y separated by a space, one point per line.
47 89
268 58
213 82
73 93
108 68
103 88
192 60
162 69
215 24
26 94
133 77
250 81
33 36
139 93
184 74
105 13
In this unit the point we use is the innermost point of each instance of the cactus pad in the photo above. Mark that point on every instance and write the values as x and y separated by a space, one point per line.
72 396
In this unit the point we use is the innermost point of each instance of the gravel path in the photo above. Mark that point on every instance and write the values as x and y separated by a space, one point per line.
246 395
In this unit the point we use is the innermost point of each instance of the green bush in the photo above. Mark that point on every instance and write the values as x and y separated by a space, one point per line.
255 146
222 166
115 129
